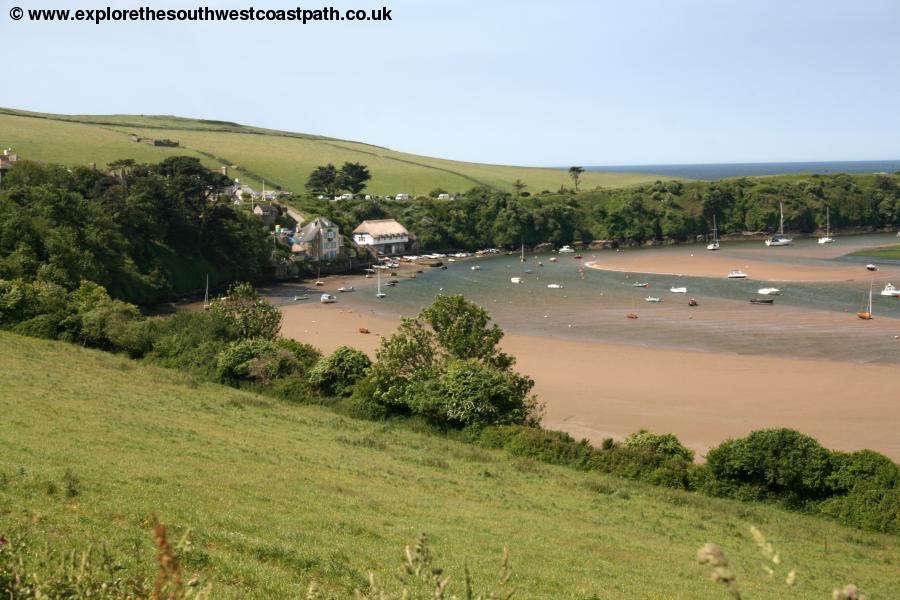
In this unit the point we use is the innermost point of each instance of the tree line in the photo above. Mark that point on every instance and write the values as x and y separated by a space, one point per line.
674 210
144 232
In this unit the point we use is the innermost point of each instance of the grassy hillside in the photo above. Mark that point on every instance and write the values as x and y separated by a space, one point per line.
282 158
277 495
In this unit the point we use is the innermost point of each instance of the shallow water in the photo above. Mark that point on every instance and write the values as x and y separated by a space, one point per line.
809 320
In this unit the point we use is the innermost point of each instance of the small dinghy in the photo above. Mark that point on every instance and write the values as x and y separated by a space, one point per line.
652 299
553 259
678 290
391 283
736 274
639 284
327 299
303 297
769 291
632 315
476 267
515 280
762 300
347 288
554 286
871 267
693 302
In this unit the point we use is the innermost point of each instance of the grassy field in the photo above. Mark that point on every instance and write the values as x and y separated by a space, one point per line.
884 252
282 158
278 495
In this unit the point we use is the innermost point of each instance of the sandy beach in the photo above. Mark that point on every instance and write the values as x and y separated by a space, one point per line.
757 261
597 390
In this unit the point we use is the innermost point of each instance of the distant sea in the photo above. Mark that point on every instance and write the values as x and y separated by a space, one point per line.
726 170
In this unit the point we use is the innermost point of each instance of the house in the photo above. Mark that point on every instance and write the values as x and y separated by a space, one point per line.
318 240
267 213
385 236
443 196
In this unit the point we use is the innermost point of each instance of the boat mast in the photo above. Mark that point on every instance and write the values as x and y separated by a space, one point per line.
781 223
870 299
827 221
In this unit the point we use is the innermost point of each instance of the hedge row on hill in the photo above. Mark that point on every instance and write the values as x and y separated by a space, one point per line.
861 488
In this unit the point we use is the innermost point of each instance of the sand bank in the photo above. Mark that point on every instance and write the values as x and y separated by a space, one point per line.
598 390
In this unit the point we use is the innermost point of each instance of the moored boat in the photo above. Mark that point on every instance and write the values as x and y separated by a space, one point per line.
693 302
652 299
762 300
736 274
871 267
346 288
640 284
678 290
515 280
554 286
890 290
866 315
327 299
827 239
779 239
566 249
714 244
769 291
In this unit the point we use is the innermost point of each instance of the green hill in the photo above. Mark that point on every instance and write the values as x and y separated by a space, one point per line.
277 495
284 159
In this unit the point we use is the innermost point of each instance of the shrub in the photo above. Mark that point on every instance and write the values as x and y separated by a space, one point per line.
666 444
555 447
250 314
473 393
777 463
339 372
644 463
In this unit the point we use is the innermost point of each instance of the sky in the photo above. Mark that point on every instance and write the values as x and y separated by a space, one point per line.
553 83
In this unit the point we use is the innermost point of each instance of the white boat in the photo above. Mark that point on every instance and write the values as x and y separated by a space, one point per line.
769 291
678 290
476 267
736 274
652 299
554 286
347 288
566 249
319 282
553 259
327 299
515 280
640 284
871 267
303 297
779 239
714 244
827 239
451 260
890 290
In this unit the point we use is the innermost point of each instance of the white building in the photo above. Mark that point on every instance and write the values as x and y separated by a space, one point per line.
386 236
402 197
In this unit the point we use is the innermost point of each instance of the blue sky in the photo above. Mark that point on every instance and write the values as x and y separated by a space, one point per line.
520 82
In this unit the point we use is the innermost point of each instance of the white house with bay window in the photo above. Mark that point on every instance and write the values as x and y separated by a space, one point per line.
386 236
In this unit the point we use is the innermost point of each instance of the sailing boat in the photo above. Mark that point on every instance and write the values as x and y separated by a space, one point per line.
319 282
714 245
827 239
779 239
380 294
206 304
523 250
866 315
633 314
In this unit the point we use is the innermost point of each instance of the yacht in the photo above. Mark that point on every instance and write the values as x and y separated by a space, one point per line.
736 274
327 299
554 286
890 290
779 239
866 315
652 299
678 290
769 291
566 249
714 244
827 239
381 294
515 280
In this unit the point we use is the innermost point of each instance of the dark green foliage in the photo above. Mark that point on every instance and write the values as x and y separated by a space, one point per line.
666 444
444 365
779 463
141 231
339 372
263 361
485 217
250 315
555 447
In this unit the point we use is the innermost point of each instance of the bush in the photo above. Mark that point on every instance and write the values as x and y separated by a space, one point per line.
554 447
773 463
339 372
474 393
666 444
646 464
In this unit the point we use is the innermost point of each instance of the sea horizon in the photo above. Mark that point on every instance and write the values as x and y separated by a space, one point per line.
712 171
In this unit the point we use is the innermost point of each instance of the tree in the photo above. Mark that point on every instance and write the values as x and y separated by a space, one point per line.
353 177
575 174
519 186
339 372
323 180
252 316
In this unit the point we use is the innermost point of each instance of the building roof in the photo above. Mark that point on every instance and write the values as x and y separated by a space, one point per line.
309 231
382 228
266 209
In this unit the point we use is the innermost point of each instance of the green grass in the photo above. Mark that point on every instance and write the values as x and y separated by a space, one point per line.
277 495
282 158
883 252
